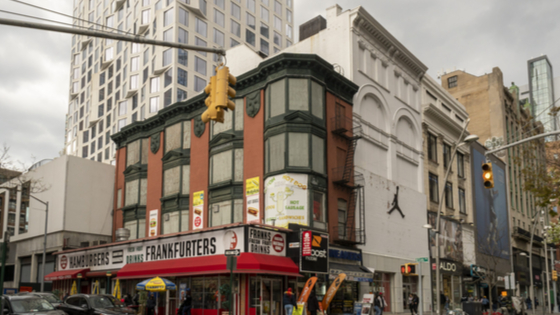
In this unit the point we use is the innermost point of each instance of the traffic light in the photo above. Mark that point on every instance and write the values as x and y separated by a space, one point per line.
487 175
554 275
219 92
408 269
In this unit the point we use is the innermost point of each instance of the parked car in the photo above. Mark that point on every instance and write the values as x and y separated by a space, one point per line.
28 304
94 304
53 299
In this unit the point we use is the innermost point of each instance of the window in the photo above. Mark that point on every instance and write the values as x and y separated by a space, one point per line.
264 47
264 30
288 31
432 147
289 16
452 81
154 85
277 23
233 42
460 165
235 28
167 57
224 213
201 43
219 18
462 201
167 97
264 14
137 152
134 63
275 147
183 57
251 5
449 195
342 215
183 17
134 82
183 36
168 35
181 95
168 77
122 108
446 154
218 37
203 5
250 37
221 165
251 21
121 124
168 17
433 187
199 84
154 104
200 65
236 11
319 210
201 27
146 17
277 39
181 77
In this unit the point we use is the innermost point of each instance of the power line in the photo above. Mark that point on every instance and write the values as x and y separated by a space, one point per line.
66 15
37 18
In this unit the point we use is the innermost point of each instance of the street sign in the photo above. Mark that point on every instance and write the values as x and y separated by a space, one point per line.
232 252
422 259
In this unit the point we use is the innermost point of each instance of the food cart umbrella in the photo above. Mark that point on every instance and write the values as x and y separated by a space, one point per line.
156 284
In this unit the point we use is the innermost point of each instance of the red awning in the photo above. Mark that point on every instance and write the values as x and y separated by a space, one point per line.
65 274
216 264
98 274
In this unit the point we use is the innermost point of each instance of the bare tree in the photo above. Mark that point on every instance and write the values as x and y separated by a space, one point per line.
15 174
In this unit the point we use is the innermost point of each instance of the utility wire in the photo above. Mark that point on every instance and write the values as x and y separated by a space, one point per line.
38 18
67 15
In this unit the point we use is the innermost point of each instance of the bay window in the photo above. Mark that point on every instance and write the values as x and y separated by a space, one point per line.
295 95
226 212
297 150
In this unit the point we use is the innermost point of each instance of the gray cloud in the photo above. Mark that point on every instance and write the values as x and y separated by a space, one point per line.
476 35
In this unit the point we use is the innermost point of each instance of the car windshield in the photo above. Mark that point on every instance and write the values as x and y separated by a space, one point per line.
117 302
101 302
31 306
51 298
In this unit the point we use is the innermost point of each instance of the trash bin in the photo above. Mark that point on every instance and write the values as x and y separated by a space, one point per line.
472 308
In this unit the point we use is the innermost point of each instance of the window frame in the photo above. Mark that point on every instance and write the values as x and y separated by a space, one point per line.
433 187
448 195
286 108
432 147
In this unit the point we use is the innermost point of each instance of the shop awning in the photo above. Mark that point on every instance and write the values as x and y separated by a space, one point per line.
98 274
266 264
216 264
353 272
65 274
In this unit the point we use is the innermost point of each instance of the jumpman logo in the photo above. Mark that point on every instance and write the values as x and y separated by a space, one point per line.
395 204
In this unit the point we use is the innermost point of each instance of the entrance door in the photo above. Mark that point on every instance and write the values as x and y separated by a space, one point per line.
406 290
271 293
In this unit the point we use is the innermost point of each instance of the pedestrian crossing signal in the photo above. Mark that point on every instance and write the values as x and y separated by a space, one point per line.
408 269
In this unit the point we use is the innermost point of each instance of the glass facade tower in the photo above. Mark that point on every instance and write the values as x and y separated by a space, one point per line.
541 87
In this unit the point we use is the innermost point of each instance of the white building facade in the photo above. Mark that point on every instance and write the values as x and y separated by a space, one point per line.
389 155
115 83
80 197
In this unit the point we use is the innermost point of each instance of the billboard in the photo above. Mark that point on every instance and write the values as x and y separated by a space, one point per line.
450 238
286 200
490 206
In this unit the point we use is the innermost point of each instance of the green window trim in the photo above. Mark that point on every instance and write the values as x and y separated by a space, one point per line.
283 91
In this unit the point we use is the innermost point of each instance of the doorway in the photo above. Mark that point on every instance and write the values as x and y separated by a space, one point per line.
266 296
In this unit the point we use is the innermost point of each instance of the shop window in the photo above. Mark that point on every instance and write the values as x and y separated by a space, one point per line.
319 210
225 213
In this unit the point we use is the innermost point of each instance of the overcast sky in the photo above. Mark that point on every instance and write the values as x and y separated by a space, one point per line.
474 35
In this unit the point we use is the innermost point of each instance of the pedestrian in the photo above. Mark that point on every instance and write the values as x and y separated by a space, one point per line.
186 306
529 303
127 300
411 303
65 296
312 303
377 305
382 303
416 301
536 303
443 301
485 304
151 305
289 301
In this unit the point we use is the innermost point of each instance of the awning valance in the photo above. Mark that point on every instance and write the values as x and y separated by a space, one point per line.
353 272
65 274
216 264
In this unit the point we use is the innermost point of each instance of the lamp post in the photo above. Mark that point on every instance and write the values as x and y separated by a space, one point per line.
460 142
547 274
44 239
530 256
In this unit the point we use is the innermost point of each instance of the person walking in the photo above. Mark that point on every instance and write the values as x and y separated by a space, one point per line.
289 301
529 303
485 304
382 303
410 303
416 302
312 303
151 305
127 300
377 305
186 306
536 303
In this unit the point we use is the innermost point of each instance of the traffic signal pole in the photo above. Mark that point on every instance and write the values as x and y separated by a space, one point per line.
102 34
513 144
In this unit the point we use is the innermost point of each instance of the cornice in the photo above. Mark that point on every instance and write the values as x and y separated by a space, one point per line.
393 47
432 111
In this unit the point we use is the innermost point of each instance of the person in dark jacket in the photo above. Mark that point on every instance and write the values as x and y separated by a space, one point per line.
186 306
312 303
127 300
151 305
289 301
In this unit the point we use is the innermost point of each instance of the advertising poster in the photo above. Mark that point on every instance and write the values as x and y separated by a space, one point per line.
318 261
357 308
332 291
366 309
286 200
306 243
450 238
252 192
198 210
490 207
153 223
268 242
183 291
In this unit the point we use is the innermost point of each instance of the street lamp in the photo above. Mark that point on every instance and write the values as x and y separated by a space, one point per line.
532 291
468 140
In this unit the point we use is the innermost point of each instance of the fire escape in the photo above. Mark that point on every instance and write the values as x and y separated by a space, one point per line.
352 231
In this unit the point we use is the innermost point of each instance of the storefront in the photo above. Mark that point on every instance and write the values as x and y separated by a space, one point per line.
194 260
451 273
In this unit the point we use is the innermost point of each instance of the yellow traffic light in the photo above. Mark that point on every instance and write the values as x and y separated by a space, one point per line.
211 113
554 275
487 175
219 92
224 91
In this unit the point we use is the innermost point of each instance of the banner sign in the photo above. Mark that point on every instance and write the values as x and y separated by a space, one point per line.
252 192
153 231
198 210
332 290
268 242
318 261
306 290
306 243
184 246
286 200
